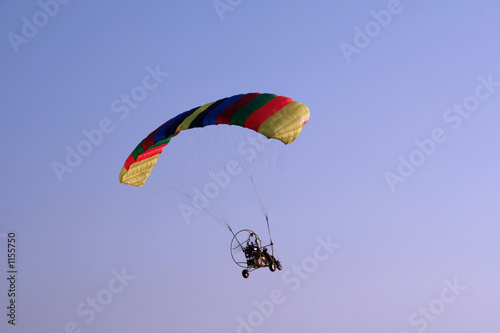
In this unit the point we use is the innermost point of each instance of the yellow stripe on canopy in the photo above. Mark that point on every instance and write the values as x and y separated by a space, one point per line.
185 124
138 172
286 124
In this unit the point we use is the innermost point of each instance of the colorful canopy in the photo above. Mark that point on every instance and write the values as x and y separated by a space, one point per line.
276 117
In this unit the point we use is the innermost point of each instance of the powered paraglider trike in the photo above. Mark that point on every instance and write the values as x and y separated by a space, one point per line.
248 252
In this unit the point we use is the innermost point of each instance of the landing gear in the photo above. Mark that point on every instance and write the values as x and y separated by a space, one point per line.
245 273
275 264
272 266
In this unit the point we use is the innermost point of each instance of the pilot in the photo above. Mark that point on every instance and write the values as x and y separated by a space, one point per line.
253 250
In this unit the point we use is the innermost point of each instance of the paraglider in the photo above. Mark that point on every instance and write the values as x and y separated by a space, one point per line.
269 115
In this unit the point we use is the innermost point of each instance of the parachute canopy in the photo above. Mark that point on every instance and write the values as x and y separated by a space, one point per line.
276 117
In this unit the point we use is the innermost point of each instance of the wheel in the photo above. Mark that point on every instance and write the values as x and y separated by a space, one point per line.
245 274
278 265
272 266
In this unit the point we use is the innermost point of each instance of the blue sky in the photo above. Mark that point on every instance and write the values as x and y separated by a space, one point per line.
386 219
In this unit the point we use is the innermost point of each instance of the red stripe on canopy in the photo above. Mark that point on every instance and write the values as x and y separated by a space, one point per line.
225 116
254 120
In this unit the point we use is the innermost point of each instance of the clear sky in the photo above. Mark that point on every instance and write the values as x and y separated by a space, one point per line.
386 220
